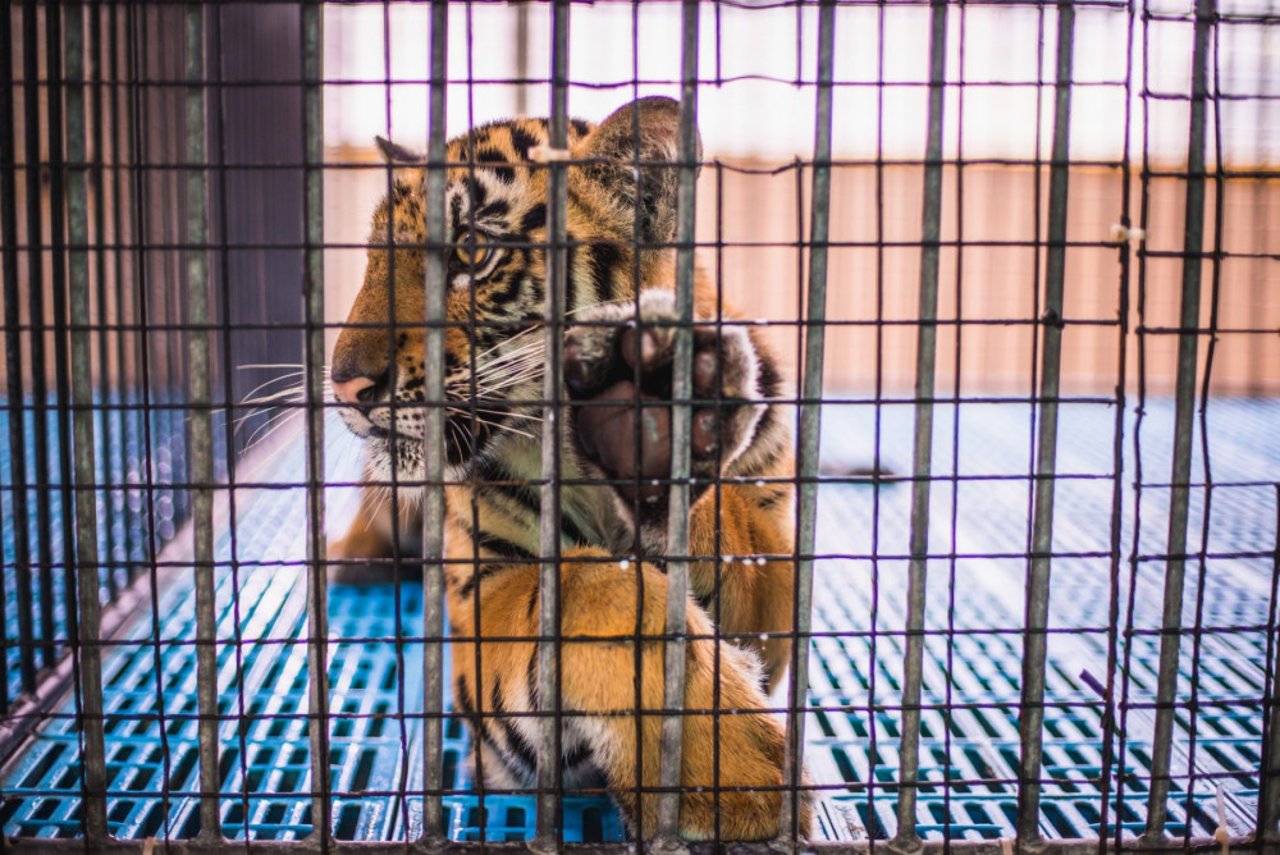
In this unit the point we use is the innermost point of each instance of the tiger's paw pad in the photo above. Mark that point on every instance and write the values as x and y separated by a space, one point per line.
618 371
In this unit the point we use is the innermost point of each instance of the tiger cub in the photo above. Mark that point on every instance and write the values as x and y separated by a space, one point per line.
621 220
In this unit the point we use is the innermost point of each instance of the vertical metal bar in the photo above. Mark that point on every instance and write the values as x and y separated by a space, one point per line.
1184 412
549 492
926 359
672 739
313 363
4 623
1031 716
1268 830
1109 779
637 235
1123 777
810 417
522 58
199 427
121 188
143 192
159 56
224 289
873 645
64 459
24 604
36 312
397 523
433 434
1190 723
96 61
86 511
957 387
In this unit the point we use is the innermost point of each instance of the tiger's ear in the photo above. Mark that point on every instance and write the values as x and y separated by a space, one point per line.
397 154
647 130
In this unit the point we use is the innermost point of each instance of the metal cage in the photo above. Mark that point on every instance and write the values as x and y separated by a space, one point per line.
1053 630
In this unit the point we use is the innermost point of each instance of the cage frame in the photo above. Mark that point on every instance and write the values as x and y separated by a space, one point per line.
73 357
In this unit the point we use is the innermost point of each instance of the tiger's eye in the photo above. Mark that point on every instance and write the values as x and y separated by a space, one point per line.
472 250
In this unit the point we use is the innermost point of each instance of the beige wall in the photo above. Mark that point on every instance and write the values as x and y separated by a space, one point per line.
755 207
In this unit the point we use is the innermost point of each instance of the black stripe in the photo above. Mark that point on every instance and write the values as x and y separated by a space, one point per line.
478 430
767 423
531 669
494 477
602 258
768 380
571 266
497 208
462 697
487 156
478 576
534 218
769 500
533 607
569 527
475 192
580 753
492 543
504 547
522 141
455 212
515 740
510 290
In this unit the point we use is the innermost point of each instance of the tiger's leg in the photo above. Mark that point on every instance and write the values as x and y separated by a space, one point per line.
752 599
741 457
741 749
363 551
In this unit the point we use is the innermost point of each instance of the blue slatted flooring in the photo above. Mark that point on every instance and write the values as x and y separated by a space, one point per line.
972 660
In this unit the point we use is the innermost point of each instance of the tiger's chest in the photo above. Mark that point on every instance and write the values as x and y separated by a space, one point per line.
499 508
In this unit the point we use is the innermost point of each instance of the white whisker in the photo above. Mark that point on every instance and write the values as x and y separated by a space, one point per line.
266 431
264 365
249 396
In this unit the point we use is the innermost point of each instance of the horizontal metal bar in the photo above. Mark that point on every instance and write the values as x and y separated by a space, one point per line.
1240 845
604 85
511 243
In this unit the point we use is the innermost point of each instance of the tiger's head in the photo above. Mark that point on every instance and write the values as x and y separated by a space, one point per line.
621 201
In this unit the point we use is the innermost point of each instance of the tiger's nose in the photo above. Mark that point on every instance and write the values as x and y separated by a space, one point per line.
359 375
358 391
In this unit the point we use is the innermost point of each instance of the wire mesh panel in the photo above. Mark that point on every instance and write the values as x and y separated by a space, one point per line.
662 425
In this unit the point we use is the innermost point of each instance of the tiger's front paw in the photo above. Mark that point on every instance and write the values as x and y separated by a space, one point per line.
618 370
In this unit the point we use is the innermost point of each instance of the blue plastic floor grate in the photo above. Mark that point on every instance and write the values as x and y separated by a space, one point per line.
969 733
125 526
970 736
